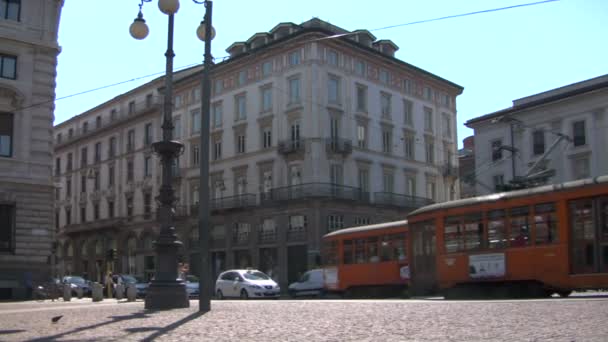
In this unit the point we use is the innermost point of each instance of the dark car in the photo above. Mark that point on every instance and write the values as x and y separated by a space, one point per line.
142 287
77 282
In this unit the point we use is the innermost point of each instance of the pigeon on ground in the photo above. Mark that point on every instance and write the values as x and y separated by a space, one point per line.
56 319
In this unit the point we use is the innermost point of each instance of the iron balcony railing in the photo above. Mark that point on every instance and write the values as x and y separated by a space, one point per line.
296 234
233 202
338 145
314 190
240 239
399 200
291 146
267 236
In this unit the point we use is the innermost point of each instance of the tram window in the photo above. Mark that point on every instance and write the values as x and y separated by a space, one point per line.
473 232
360 251
497 237
520 226
545 223
372 249
452 235
386 250
348 251
399 251
330 249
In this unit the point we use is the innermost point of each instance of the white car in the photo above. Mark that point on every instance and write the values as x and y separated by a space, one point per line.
310 284
246 284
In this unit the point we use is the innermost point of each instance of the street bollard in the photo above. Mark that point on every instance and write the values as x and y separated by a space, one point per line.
131 292
97 292
79 292
120 291
67 292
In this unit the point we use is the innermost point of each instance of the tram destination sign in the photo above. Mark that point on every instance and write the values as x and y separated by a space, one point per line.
487 265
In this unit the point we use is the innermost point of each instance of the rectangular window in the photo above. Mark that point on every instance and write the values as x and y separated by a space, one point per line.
266 99
8 67
363 178
10 9
68 216
428 119
496 149
83 183
97 156
111 175
83 157
149 100
68 188
428 93
58 137
130 171
113 115
497 229
132 107
240 143
148 134
410 185
446 125
195 155
361 98
98 122
96 211
333 90
242 78
545 223
463 233
409 146
384 76
294 90
294 58
388 182
96 182
361 136
57 166
538 141
85 127
7 227
195 117
110 209
218 86
267 137
407 86
217 150
147 166
177 127
70 133
499 181
360 68
385 104
334 222
129 206
332 58
177 101
131 140
217 114
581 168
336 174
429 150
519 224
112 148
387 141
147 204
266 68
83 214
578 133
408 112
69 165
6 134
240 107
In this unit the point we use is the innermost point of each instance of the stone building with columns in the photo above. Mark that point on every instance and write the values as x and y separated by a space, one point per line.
307 136
28 61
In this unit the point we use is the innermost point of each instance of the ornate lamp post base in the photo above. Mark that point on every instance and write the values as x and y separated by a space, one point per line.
165 292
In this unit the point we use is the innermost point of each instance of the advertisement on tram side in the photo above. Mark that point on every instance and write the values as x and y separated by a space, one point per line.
487 265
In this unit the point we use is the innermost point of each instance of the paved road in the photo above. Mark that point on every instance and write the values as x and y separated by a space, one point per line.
572 319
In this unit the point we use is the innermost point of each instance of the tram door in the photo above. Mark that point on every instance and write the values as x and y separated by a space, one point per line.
589 235
423 264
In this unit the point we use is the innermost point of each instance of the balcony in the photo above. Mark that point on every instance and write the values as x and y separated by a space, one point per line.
315 190
296 234
449 170
287 147
240 239
267 236
338 146
399 200
233 202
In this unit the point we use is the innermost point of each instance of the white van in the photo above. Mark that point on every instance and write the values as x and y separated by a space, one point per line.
310 284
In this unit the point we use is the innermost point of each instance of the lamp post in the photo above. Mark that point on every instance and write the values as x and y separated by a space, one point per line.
206 33
165 291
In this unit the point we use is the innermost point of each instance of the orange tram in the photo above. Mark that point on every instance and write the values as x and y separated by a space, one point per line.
367 261
525 243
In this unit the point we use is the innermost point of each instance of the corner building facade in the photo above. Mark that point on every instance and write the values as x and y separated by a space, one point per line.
28 61
307 136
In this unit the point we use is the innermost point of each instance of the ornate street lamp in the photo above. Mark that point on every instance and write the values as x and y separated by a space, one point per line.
165 291
206 33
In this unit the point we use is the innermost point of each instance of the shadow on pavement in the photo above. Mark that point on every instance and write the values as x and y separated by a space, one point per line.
113 319
164 330
13 331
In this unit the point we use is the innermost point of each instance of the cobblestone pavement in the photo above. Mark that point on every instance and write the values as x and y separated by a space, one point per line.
572 319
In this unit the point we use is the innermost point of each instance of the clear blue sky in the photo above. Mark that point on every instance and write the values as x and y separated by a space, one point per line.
497 57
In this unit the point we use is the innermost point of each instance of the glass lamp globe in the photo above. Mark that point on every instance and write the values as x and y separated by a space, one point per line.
139 29
168 6
201 31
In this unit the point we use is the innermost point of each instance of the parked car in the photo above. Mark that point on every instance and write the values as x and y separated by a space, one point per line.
142 287
192 286
310 284
125 280
246 284
77 282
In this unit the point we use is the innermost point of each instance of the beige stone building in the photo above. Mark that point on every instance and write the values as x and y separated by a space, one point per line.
307 136
28 60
